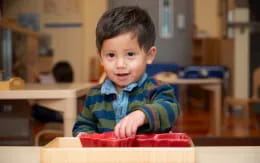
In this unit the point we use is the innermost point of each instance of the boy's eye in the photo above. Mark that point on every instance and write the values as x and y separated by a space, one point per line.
111 55
130 54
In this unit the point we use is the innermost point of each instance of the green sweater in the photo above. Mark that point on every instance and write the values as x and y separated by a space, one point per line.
154 98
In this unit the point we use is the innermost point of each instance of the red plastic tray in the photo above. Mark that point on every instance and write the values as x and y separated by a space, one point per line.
108 139
163 140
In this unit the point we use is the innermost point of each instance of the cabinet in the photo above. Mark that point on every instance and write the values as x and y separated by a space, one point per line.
45 64
213 51
206 51
15 123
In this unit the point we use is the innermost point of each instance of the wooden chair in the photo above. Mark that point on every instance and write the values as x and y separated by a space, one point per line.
54 129
245 103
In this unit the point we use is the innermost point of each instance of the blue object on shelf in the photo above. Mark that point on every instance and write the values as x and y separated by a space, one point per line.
194 71
198 71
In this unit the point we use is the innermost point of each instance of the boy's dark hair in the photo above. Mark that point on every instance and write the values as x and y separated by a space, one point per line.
126 19
62 72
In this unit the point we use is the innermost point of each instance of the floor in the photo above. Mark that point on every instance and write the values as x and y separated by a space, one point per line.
196 123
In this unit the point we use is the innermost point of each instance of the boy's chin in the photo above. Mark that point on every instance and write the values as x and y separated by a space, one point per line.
121 85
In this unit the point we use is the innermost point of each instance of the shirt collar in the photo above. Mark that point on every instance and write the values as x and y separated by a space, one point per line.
109 88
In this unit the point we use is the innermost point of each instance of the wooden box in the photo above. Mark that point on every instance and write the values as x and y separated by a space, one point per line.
69 150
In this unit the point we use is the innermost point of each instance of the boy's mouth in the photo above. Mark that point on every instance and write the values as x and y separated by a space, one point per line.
122 76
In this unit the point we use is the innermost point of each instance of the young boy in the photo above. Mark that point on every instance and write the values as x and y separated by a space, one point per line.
128 102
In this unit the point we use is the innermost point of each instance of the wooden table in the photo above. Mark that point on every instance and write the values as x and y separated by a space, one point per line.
211 84
21 154
230 154
60 97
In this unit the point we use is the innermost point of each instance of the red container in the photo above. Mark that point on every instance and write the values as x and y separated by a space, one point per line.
163 140
144 140
107 139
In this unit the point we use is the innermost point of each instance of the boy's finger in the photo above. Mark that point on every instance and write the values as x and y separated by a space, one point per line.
134 129
122 129
129 129
116 130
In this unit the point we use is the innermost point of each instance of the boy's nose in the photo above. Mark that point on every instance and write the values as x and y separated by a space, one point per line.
120 63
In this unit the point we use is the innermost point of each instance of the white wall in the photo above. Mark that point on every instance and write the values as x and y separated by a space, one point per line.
67 41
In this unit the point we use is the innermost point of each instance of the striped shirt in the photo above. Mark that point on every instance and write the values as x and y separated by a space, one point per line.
154 98
121 102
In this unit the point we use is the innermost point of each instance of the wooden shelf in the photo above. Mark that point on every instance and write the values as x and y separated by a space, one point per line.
17 28
28 59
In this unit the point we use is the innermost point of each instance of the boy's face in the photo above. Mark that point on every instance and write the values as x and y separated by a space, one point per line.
123 60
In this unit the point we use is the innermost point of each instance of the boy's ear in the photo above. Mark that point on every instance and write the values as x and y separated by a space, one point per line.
151 55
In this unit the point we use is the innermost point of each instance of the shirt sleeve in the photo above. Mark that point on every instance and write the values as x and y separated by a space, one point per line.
162 111
85 122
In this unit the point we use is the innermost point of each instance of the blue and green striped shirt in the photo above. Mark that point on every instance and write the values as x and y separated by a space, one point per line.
154 98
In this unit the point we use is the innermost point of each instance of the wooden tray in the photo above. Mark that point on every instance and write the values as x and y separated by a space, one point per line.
68 149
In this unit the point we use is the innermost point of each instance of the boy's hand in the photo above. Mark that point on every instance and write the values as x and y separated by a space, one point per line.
129 124
81 133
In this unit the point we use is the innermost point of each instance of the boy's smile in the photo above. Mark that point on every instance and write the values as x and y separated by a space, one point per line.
123 59
122 76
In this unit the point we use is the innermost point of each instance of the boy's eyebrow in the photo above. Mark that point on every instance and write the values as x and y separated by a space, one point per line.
130 50
111 50
108 51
